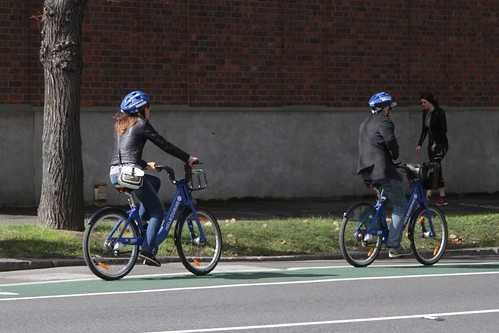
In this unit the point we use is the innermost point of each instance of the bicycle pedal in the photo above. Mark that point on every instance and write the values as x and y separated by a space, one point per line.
147 263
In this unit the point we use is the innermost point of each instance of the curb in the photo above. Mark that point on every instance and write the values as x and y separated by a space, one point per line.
25 264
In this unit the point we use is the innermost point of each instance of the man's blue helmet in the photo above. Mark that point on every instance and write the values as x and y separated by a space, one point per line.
134 102
381 100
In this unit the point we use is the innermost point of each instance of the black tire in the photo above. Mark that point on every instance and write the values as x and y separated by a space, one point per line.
99 245
198 257
355 250
428 249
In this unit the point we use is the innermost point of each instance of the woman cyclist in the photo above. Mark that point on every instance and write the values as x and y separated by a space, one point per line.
131 132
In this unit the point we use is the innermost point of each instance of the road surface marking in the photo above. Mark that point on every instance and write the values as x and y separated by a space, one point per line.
332 322
243 285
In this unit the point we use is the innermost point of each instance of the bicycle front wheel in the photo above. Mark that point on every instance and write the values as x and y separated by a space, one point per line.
355 249
105 256
428 248
199 256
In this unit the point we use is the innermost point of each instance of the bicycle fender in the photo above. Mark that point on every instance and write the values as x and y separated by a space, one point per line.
104 210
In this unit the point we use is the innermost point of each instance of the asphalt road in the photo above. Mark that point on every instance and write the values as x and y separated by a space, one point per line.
456 295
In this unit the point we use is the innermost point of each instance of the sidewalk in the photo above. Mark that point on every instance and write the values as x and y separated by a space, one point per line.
269 209
264 210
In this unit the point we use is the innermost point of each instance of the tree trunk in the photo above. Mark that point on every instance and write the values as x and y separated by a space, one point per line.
61 201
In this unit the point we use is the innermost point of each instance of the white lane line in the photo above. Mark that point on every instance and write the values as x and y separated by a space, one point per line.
87 279
141 276
243 285
333 322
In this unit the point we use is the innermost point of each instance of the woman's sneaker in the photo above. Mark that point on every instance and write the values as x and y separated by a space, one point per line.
149 259
441 201
399 251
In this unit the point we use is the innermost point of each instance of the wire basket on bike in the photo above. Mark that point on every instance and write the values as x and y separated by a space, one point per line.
198 180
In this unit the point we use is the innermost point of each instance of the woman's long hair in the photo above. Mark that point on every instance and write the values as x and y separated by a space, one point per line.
124 121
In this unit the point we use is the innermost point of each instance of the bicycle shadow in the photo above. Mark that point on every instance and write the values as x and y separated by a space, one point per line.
271 275
250 275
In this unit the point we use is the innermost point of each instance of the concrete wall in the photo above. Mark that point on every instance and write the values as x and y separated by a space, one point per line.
288 152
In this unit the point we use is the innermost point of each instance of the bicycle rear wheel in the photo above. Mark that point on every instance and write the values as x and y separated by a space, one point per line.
198 256
355 250
107 258
428 249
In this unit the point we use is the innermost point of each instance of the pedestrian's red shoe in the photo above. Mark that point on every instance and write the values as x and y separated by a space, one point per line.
441 201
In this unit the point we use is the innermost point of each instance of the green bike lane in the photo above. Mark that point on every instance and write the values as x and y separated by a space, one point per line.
233 279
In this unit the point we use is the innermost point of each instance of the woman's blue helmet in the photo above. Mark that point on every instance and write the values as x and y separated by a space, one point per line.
381 100
134 102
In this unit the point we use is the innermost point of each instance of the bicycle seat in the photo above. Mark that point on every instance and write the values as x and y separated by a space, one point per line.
122 189
371 184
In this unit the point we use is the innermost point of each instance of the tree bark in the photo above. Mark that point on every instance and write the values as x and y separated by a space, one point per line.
61 201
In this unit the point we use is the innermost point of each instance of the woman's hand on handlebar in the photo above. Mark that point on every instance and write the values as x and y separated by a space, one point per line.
192 161
151 166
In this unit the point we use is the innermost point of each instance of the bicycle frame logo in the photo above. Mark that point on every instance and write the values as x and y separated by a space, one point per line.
414 200
174 211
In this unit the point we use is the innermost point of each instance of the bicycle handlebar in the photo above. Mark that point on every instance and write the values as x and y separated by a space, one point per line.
171 172
417 172
403 166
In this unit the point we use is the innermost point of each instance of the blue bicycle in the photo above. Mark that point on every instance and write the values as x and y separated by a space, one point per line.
112 238
364 227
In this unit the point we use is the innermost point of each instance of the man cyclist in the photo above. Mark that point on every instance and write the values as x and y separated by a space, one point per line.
378 148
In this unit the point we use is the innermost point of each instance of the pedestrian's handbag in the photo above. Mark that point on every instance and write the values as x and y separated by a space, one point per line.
131 177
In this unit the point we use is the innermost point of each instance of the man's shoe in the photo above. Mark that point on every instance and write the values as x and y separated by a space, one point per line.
149 259
441 201
399 251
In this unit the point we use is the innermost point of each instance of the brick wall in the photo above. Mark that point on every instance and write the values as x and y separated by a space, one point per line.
18 72
266 53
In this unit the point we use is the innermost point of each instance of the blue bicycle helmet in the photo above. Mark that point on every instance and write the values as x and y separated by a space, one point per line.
134 102
381 100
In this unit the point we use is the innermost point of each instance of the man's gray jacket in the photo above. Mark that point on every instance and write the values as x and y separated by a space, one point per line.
378 148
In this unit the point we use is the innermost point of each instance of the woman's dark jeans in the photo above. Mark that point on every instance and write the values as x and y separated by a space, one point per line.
151 208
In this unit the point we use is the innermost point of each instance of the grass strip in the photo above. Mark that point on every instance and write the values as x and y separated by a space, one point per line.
312 235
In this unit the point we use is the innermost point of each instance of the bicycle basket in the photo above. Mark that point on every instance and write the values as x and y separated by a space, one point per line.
198 180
